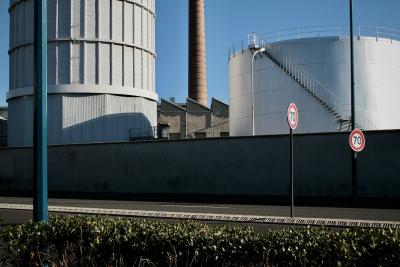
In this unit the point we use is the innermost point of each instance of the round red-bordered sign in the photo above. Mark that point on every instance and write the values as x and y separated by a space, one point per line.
292 116
357 140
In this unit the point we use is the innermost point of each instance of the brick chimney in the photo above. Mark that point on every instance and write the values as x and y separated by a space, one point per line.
197 53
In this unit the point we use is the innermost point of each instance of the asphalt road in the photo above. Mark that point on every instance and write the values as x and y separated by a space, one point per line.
21 216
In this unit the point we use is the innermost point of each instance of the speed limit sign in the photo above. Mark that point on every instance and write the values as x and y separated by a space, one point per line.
292 116
357 140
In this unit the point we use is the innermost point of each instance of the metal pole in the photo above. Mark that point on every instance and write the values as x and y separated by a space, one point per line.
40 190
252 95
353 110
352 67
291 175
262 49
186 123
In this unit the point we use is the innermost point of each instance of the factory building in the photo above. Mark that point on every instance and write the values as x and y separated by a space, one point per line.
193 120
101 70
311 67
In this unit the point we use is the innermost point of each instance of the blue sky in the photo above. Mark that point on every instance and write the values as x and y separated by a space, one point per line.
228 21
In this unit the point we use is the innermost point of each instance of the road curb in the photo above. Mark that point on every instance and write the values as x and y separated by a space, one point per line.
327 222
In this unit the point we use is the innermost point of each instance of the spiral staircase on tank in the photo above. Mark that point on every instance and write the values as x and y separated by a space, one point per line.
334 105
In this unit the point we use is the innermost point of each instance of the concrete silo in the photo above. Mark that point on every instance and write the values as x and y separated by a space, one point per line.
101 70
311 67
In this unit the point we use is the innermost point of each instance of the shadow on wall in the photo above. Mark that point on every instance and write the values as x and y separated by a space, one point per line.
220 168
108 128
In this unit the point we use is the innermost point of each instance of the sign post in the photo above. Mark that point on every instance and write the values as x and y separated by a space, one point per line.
357 144
293 119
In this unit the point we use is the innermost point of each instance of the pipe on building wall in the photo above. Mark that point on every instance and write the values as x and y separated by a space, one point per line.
197 53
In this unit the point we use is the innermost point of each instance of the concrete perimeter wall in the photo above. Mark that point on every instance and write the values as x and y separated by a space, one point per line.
228 166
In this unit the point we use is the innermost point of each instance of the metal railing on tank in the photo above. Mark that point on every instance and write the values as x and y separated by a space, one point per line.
309 82
341 31
331 102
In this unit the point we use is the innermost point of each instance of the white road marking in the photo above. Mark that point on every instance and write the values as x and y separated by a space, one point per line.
194 206
215 217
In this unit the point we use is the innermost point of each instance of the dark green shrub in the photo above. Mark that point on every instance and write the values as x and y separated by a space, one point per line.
105 241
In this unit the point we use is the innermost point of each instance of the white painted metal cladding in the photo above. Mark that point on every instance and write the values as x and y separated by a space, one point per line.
95 48
377 74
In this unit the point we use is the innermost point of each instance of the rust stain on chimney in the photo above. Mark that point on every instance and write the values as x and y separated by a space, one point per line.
197 52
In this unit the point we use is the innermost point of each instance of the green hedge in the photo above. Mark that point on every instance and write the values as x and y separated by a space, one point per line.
104 241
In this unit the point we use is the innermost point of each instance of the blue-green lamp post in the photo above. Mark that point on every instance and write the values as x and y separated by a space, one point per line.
40 190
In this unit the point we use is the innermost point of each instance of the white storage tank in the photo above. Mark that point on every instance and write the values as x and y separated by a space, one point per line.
101 70
311 67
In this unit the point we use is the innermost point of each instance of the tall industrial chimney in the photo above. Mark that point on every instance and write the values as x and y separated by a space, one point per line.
197 53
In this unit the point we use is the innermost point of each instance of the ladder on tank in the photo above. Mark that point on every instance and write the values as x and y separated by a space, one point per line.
334 105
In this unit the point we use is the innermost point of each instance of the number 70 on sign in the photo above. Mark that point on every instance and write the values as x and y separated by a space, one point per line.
292 116
357 140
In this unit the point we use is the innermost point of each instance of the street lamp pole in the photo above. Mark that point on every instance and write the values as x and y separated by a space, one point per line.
40 190
353 105
260 50
353 117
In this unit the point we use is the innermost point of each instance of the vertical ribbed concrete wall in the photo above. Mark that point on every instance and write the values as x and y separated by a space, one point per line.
197 52
101 65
